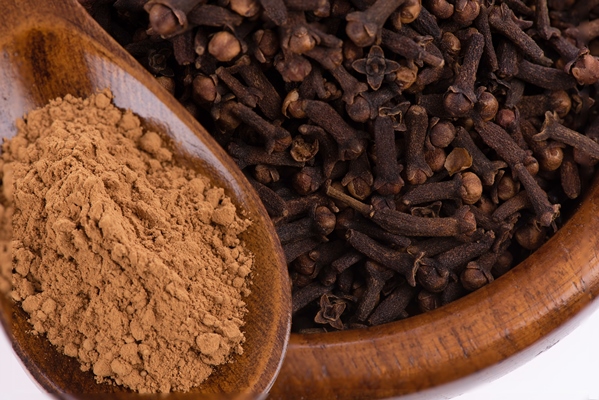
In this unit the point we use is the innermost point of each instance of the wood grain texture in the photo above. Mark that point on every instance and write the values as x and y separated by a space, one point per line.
511 318
52 48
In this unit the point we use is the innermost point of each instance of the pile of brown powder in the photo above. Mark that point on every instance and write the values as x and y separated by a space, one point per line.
123 259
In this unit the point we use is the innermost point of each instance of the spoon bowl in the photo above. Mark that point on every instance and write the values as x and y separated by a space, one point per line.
53 48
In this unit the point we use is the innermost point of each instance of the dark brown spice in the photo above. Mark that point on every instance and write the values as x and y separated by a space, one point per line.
442 9
417 170
508 59
249 155
520 7
348 219
358 180
408 48
367 104
169 17
466 11
328 149
530 236
387 169
269 102
536 106
375 67
460 97
393 306
481 165
501 18
544 77
308 180
428 301
466 187
377 276
330 311
548 153
426 24
401 262
522 165
266 174
379 104
247 96
364 27
570 177
478 273
275 10
400 223
304 296
322 114
511 206
552 129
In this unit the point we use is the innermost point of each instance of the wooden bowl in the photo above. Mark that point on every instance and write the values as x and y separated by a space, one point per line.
53 48
479 337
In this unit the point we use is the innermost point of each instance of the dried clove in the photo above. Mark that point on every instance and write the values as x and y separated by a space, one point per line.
376 277
363 27
466 187
544 77
385 118
275 137
169 17
375 67
358 180
321 223
442 9
417 170
330 311
367 104
399 223
478 273
322 114
327 148
460 97
570 177
487 170
246 155
247 96
501 18
304 296
224 46
408 48
387 169
393 306
308 180
521 164
483 26
401 262
275 10
552 129
511 206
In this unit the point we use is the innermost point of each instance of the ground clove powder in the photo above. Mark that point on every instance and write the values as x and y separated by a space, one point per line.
124 259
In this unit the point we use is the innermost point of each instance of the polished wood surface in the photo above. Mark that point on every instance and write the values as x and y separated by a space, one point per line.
497 327
52 48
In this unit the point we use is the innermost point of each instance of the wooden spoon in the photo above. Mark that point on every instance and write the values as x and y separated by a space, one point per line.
53 48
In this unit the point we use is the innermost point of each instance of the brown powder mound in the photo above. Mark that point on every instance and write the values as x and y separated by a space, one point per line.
123 259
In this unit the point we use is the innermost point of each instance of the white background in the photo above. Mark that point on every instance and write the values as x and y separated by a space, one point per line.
567 371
